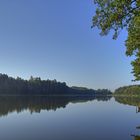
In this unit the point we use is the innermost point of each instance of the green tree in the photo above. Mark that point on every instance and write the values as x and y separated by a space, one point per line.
119 14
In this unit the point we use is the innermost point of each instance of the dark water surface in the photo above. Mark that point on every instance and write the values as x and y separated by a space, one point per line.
69 118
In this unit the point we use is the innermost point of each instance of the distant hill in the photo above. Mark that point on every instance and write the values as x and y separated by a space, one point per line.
36 86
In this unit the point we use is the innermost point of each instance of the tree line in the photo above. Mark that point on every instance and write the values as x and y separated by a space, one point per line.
132 90
10 85
36 86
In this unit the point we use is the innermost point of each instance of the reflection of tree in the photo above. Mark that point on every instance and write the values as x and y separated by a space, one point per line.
37 103
136 137
134 101
137 109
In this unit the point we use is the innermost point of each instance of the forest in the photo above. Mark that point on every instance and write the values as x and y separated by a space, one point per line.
36 86
132 90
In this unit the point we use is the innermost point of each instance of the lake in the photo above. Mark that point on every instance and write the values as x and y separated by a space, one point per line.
69 118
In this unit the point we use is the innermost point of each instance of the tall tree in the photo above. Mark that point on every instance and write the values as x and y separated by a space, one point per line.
116 15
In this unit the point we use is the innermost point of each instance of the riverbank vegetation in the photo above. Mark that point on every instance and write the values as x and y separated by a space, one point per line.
133 90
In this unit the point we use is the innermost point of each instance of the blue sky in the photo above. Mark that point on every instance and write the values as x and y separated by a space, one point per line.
53 39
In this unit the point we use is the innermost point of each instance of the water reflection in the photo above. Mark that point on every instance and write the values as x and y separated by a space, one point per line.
93 120
136 137
133 101
37 103
137 109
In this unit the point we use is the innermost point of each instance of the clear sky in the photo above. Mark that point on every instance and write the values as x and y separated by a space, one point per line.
53 39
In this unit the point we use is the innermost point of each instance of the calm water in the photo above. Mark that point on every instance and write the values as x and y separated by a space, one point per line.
46 118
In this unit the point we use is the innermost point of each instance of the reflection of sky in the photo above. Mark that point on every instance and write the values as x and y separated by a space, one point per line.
53 39
92 120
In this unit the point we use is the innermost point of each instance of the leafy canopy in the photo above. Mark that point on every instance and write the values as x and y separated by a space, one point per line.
116 15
